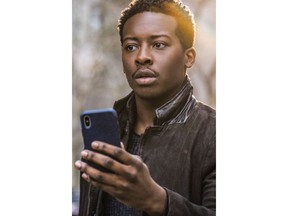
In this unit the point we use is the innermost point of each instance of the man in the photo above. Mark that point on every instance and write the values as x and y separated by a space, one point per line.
167 165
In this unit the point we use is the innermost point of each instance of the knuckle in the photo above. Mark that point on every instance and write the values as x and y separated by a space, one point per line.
102 146
117 152
83 167
87 155
108 162
138 162
90 156
124 186
144 166
98 178
138 158
132 175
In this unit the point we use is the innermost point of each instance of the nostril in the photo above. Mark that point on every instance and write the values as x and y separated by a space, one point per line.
144 62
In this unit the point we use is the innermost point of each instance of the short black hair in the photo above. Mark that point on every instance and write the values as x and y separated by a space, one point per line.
185 19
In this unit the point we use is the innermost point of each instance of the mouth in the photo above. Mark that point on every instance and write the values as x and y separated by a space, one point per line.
145 76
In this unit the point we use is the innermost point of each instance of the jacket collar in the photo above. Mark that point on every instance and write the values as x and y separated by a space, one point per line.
168 112
171 109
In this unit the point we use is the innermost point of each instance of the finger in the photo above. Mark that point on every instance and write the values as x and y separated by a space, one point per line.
105 187
78 164
91 174
128 171
122 145
118 153
82 166
118 190
104 161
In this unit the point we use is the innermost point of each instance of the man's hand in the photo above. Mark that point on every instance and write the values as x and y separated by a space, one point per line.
130 182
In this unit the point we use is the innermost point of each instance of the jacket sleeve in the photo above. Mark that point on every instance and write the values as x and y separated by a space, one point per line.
180 206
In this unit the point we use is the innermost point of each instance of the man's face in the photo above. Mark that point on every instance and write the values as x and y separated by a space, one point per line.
153 59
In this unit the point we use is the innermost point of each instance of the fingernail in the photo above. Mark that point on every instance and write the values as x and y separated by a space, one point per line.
78 164
84 154
95 144
84 176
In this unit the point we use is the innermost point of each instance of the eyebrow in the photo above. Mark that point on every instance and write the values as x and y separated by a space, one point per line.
150 37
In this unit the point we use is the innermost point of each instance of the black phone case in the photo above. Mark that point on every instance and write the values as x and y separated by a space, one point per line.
103 127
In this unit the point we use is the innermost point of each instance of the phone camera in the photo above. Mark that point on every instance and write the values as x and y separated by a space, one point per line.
87 121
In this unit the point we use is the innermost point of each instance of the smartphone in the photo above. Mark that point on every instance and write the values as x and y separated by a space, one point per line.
101 125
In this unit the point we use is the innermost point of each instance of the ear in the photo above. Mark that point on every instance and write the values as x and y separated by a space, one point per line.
190 55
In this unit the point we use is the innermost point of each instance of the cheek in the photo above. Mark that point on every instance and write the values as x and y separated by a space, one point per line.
127 64
174 63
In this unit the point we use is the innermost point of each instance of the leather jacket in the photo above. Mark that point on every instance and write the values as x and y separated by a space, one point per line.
180 151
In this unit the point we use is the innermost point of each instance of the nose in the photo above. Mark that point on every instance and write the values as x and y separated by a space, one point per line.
143 57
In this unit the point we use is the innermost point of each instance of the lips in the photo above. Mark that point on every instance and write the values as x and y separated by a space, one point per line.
145 76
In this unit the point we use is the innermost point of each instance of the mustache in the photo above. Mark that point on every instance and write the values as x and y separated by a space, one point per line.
144 72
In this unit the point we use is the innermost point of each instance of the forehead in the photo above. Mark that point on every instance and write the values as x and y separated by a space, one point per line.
150 23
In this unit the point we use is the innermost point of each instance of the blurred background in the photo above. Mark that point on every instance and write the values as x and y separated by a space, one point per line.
97 76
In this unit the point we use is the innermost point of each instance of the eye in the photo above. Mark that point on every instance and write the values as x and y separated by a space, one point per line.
159 45
130 47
